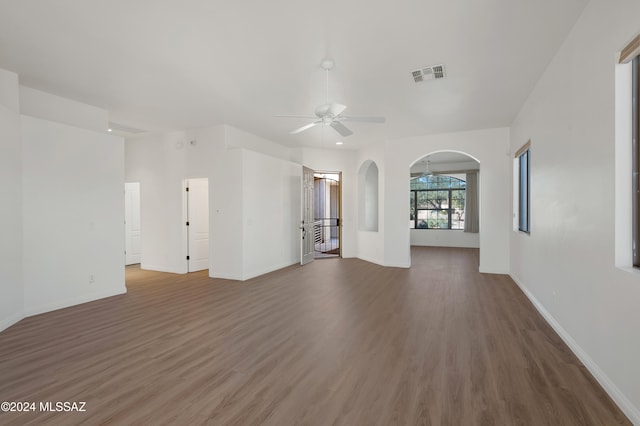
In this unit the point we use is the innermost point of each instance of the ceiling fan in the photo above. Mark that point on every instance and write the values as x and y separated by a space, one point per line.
329 113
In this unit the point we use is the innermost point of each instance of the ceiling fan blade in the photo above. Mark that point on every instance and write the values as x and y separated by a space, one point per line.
364 119
336 109
305 127
341 128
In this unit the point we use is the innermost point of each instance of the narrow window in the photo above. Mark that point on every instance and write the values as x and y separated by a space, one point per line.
631 55
636 159
524 194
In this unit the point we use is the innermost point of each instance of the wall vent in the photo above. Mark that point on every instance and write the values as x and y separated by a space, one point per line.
433 72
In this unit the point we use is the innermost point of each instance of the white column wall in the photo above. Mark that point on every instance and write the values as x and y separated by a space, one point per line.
158 163
567 265
271 213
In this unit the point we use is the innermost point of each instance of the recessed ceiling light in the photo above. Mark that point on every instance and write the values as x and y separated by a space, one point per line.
109 130
338 143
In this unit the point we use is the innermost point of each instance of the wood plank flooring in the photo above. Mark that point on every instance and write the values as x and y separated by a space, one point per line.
339 341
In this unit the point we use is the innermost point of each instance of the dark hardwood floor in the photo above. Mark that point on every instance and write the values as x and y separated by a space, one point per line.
333 342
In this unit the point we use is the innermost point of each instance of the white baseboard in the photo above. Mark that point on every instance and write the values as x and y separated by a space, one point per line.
160 268
631 411
257 273
371 260
8 322
386 265
252 274
72 302
398 265
225 276
492 271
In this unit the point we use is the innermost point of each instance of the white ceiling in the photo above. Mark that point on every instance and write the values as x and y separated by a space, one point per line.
169 65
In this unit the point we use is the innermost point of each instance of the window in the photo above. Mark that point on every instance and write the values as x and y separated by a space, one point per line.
437 202
524 194
636 159
627 159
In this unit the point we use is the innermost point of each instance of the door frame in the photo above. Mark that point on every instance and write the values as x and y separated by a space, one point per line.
339 173
185 219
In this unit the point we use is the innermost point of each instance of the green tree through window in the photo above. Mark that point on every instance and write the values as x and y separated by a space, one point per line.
437 202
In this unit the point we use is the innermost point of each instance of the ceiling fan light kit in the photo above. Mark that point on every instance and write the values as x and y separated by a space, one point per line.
330 113
425 173
427 170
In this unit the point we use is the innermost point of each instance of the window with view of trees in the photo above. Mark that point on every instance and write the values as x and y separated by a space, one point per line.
437 202
524 191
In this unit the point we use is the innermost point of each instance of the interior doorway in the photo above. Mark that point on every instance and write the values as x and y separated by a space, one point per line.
444 200
327 235
132 231
197 223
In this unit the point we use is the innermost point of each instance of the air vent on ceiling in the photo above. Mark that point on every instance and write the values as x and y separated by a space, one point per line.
433 72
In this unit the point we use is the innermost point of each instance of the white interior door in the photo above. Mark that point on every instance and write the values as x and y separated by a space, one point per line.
133 250
306 227
198 224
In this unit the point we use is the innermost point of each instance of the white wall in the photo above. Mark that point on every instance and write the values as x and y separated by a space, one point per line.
226 204
566 266
490 147
36 103
271 190
444 238
61 187
11 293
368 203
162 162
73 210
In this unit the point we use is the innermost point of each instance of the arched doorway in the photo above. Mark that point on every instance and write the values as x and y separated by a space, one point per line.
444 203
